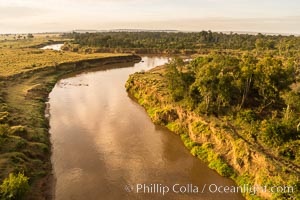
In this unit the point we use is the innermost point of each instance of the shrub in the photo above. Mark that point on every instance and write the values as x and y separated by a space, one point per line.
14 187
290 150
244 179
221 167
276 133
187 141
176 127
247 115
200 152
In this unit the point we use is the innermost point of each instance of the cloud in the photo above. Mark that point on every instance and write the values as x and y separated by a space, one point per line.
268 25
231 15
15 12
284 25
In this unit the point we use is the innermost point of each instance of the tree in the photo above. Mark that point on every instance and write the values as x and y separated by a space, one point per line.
271 77
247 68
30 36
174 77
14 187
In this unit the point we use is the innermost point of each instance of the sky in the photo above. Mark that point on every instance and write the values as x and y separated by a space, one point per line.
266 16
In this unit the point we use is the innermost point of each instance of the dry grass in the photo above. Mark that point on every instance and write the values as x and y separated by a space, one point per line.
14 41
14 61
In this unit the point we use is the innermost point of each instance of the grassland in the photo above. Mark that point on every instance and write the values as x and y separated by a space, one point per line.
14 61
27 75
14 41
18 56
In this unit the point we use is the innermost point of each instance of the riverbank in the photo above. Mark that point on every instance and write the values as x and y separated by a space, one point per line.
217 141
24 138
73 47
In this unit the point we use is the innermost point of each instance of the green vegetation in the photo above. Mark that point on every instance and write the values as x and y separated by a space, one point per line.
27 75
235 106
14 187
205 153
190 144
237 110
13 41
14 61
251 90
179 42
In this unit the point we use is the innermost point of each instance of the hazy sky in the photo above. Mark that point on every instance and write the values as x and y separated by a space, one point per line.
275 16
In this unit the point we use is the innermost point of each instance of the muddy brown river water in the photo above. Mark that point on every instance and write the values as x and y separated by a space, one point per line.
105 147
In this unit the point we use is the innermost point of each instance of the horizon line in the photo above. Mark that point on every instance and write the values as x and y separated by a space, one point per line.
152 30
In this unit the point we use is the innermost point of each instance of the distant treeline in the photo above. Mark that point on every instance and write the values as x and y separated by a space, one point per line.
189 41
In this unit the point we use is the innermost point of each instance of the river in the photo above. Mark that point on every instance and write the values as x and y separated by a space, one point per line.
55 47
104 145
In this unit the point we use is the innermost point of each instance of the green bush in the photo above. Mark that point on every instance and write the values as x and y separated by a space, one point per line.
245 179
204 152
187 141
200 152
221 167
275 133
247 115
176 127
14 187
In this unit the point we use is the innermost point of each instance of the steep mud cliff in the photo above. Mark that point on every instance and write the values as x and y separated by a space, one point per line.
216 141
